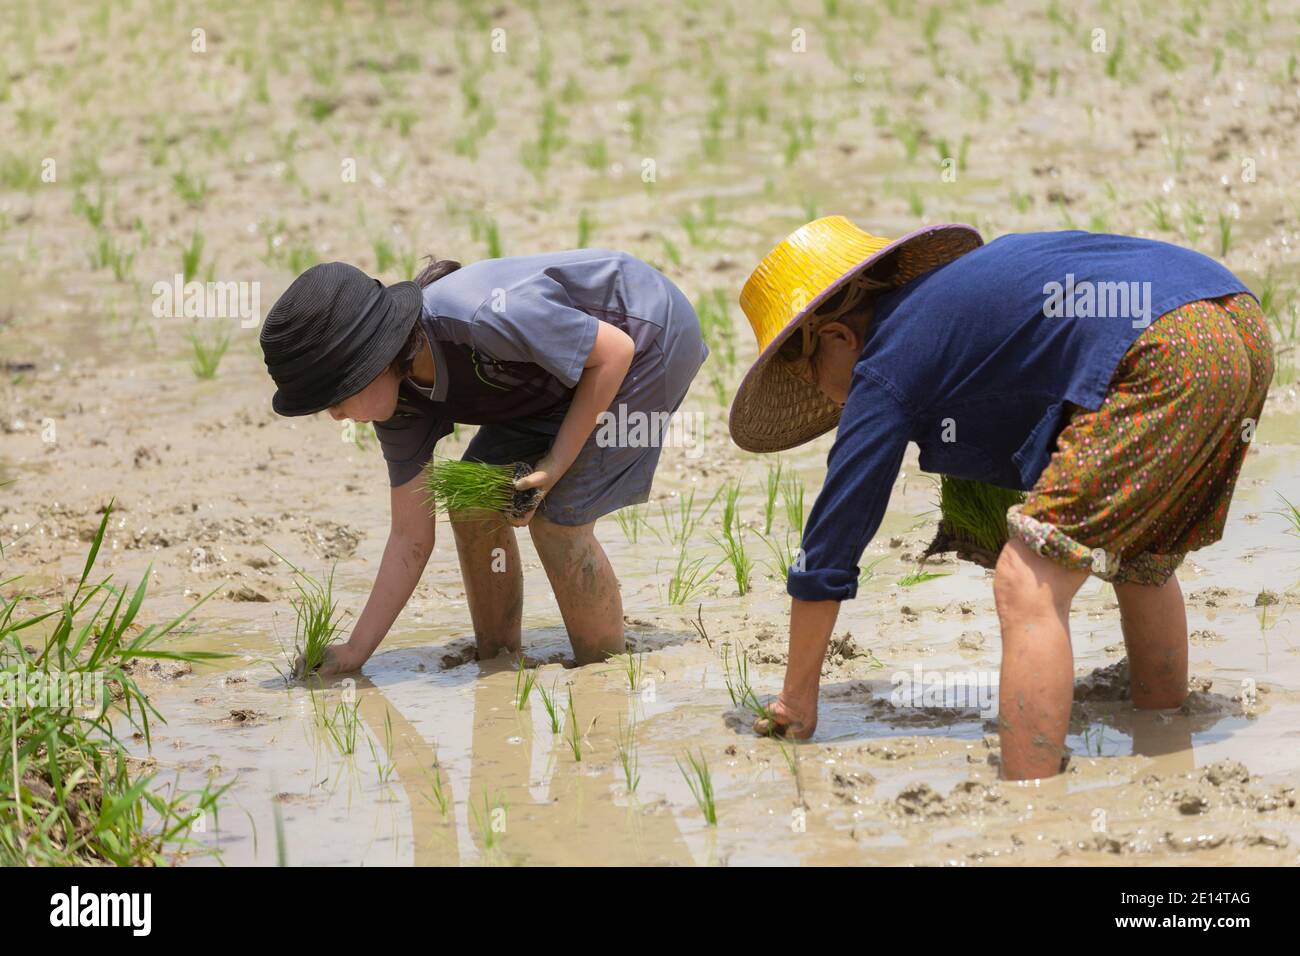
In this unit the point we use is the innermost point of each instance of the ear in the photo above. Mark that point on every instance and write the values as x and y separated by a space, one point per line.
837 335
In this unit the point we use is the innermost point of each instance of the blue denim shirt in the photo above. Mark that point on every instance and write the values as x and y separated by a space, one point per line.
978 363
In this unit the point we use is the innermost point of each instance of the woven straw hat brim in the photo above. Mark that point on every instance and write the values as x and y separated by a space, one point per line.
383 347
774 409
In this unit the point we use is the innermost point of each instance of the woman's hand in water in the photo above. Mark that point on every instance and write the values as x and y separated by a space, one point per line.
788 719
339 659
543 478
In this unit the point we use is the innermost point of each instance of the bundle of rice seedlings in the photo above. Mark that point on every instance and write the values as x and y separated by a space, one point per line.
973 519
461 486
318 622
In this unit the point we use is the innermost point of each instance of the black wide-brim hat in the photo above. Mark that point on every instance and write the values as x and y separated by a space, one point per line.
332 333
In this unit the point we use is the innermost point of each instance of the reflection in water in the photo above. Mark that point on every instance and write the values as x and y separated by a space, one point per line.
513 791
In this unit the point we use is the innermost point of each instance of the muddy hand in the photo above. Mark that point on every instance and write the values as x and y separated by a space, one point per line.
787 721
540 480
338 659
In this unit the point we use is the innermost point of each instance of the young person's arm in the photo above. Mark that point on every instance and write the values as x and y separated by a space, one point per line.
410 542
603 373
860 472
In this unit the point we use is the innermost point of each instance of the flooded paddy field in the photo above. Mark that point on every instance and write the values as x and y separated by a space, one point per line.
225 164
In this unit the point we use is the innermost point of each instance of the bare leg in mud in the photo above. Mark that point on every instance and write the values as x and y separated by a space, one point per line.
585 587
1154 620
494 583
1036 692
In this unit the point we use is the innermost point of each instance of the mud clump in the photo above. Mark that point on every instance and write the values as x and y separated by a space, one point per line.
157 669
968 798
1226 771
1109 683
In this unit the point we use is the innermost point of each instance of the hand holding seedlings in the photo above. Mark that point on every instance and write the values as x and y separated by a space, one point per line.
471 486
338 659
531 487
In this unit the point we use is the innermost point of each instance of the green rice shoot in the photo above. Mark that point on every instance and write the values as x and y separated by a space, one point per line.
525 680
550 702
919 577
627 756
690 577
459 486
740 690
771 489
317 623
574 740
439 789
975 512
700 780
632 665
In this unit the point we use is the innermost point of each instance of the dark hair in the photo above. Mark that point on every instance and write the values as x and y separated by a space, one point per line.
434 270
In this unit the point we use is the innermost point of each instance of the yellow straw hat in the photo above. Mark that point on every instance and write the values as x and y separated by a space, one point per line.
774 408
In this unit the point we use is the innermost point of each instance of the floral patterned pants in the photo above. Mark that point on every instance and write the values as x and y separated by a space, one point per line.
1148 476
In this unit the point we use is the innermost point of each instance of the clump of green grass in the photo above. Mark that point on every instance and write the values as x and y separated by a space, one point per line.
68 796
484 820
340 724
107 254
463 486
771 489
973 518
192 256
791 756
700 780
718 330
738 686
632 665
792 498
550 702
525 680
689 577
680 522
633 521
208 353
627 756
574 740
317 619
732 544
732 541
782 552
439 788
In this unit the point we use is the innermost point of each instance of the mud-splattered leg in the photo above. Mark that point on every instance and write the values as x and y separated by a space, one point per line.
494 584
1036 692
585 587
1154 620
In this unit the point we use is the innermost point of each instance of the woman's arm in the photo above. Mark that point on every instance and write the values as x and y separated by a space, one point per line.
410 542
795 711
860 471
603 373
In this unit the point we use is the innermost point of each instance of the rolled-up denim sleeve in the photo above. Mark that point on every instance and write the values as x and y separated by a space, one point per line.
860 472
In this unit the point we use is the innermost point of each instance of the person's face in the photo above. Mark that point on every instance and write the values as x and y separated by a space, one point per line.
374 403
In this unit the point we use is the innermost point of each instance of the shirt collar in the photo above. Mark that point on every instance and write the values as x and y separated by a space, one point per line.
438 392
